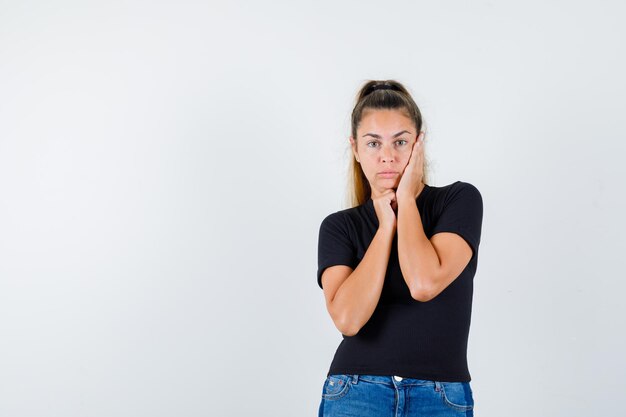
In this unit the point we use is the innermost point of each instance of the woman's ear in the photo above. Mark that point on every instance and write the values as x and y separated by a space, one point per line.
354 149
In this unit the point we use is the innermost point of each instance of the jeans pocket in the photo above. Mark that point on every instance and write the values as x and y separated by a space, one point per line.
457 395
336 386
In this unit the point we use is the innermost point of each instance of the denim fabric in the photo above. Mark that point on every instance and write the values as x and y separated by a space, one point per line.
394 396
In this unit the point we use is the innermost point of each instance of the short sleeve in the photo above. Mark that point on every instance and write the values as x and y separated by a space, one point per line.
462 214
334 245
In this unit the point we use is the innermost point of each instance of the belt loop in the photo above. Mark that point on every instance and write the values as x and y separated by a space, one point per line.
437 386
355 378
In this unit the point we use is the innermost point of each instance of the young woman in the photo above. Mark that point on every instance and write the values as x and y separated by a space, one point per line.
397 272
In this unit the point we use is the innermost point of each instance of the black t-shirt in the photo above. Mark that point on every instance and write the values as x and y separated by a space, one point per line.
406 337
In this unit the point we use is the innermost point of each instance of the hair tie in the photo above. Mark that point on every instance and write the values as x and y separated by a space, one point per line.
383 87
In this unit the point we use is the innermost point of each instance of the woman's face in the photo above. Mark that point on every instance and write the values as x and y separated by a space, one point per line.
383 144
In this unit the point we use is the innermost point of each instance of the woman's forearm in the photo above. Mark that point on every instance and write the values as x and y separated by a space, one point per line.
357 297
417 256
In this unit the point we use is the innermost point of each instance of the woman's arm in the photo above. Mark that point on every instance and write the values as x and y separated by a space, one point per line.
428 266
352 295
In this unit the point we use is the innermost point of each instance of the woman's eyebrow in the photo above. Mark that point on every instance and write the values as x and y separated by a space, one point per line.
374 135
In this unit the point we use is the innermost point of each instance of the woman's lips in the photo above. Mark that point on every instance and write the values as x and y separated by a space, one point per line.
387 174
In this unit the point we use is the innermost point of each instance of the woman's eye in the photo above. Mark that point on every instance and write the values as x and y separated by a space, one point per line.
376 143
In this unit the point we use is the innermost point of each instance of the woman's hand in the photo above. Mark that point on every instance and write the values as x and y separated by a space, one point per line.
385 206
411 184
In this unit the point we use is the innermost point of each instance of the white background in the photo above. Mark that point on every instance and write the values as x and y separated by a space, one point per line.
165 166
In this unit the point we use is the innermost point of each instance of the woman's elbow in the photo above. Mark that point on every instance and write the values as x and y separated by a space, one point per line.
422 295
349 331
346 326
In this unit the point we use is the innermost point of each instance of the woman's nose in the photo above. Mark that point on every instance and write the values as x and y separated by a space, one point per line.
387 154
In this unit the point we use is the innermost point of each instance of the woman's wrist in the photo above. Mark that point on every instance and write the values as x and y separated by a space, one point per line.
387 229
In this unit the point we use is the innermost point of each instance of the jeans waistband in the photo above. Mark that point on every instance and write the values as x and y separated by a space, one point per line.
394 380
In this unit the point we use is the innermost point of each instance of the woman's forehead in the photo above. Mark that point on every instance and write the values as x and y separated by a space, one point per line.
385 123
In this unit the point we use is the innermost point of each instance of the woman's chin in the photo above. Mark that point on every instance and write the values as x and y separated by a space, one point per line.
390 183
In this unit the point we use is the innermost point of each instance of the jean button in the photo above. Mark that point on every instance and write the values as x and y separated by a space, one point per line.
397 378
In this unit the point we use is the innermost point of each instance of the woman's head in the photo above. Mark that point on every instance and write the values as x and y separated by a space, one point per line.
385 124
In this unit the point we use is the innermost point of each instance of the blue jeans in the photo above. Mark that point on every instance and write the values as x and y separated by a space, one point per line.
394 396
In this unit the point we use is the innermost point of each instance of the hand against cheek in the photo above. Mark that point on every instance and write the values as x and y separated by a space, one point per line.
411 185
